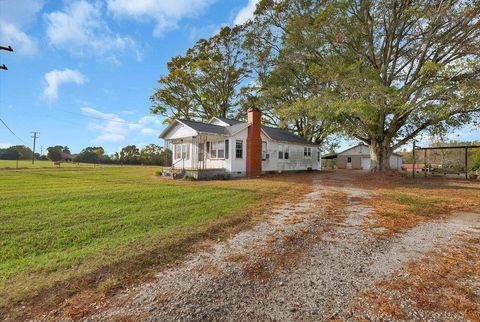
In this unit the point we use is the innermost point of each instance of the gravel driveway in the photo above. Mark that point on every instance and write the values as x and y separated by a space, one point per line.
300 264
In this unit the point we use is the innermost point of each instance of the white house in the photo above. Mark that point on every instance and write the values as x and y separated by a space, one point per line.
230 148
358 157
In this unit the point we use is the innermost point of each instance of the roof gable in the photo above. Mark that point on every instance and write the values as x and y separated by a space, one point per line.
227 122
177 129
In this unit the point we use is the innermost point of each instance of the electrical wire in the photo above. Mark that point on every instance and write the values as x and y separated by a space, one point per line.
11 131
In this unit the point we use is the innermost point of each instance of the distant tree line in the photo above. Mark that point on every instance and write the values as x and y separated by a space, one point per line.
14 152
151 154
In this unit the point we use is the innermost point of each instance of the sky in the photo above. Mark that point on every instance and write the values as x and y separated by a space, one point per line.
82 71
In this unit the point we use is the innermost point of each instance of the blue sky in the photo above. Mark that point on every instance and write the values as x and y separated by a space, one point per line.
83 71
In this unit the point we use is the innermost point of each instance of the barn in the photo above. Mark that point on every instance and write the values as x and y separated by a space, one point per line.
358 157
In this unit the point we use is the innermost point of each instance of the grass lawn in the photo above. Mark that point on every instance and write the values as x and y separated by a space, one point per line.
27 164
64 230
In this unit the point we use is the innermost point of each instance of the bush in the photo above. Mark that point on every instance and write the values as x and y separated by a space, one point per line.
189 178
158 173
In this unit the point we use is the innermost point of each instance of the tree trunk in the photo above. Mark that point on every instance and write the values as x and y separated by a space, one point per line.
380 153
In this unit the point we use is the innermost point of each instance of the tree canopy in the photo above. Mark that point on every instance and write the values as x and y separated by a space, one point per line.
382 71
13 152
205 81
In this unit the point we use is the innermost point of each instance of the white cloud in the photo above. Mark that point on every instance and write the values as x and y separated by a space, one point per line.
56 77
149 131
112 128
11 35
5 145
80 29
14 17
20 12
246 13
165 14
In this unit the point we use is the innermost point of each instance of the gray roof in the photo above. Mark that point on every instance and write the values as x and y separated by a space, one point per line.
229 121
205 127
273 133
277 134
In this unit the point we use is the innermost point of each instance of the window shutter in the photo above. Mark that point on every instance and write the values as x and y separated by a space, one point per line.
208 150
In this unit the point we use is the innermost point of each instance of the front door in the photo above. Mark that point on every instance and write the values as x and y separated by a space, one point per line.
349 162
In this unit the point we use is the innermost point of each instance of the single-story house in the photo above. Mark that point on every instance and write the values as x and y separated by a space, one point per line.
231 148
358 157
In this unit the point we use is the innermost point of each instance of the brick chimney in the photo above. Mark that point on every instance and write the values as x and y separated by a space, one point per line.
254 143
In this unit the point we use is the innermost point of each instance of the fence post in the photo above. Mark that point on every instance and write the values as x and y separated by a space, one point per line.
413 168
466 163
425 163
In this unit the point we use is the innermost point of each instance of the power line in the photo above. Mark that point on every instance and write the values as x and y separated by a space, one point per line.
11 131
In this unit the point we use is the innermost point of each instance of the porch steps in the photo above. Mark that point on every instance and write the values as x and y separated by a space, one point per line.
173 173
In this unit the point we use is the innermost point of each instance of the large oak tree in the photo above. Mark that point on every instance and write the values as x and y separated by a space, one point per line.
384 71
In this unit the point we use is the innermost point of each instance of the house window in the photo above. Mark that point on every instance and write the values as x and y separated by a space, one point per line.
349 159
265 155
307 152
217 150
239 149
227 154
283 152
182 151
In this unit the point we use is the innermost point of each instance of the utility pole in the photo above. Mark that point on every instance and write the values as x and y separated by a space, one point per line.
34 137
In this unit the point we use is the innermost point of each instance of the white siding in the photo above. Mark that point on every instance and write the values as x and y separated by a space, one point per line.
180 131
364 152
296 160
237 166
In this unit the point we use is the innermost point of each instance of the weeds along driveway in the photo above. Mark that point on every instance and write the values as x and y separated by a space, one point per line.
311 260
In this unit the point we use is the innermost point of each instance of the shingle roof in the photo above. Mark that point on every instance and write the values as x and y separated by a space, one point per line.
277 134
229 121
273 133
204 127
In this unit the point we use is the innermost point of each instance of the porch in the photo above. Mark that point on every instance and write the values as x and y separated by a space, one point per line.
198 174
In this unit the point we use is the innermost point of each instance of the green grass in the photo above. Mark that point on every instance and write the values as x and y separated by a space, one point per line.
27 164
57 224
418 205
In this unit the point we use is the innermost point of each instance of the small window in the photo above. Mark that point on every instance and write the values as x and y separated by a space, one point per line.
307 152
239 149
227 154
178 151
286 154
264 151
217 150
349 159
280 152
182 151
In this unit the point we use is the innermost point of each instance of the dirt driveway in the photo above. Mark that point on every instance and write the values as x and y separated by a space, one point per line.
318 259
